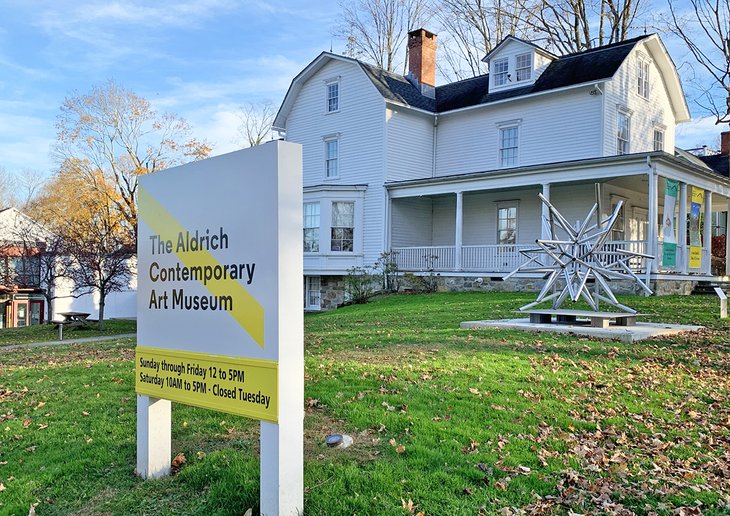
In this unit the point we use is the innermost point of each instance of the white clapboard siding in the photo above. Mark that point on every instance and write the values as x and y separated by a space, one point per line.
409 144
359 127
555 127
480 216
622 93
411 222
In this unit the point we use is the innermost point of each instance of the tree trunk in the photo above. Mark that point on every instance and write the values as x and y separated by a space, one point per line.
102 302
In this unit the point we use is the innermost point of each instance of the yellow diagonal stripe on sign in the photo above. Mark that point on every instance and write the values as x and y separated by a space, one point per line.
247 311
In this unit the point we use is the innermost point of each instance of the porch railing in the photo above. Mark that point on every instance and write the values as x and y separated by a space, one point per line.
489 258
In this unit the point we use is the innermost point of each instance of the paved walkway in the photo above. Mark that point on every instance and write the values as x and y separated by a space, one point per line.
68 341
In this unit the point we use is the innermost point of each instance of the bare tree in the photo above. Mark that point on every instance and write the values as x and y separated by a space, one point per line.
375 30
471 29
95 242
567 26
43 250
256 120
114 131
8 185
704 27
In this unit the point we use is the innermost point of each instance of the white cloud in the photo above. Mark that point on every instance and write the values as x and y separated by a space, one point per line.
698 132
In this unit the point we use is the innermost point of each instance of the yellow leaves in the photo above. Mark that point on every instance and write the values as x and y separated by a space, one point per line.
399 448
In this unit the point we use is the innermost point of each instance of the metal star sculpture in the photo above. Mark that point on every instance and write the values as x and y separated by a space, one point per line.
576 255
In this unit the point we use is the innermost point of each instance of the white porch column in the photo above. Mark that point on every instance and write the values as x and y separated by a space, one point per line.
727 240
707 233
459 229
544 228
651 229
682 230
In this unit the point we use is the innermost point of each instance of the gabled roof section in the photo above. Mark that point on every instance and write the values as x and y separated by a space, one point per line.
509 39
587 67
719 163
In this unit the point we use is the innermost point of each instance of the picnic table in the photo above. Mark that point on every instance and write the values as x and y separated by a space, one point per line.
72 320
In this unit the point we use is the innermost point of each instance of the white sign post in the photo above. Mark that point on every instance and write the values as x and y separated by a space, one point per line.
220 321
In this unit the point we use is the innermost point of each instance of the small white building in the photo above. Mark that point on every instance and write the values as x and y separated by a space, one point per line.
447 177
23 288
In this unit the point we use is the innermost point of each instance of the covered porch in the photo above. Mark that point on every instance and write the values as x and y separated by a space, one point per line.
478 224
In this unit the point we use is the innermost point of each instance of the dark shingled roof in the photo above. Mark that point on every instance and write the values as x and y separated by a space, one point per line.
396 87
720 163
583 67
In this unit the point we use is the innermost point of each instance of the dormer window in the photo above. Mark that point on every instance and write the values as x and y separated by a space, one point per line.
501 68
523 67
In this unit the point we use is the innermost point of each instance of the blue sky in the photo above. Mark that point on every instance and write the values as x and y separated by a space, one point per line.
201 59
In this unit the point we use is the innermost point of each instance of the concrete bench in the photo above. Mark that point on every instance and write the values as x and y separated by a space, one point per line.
596 319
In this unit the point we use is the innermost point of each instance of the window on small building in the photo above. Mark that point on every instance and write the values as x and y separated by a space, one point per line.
643 78
25 271
311 227
624 132
343 226
507 224
501 68
331 169
523 68
333 96
508 145
658 140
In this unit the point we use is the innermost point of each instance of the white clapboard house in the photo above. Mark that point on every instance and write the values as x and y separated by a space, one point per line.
448 177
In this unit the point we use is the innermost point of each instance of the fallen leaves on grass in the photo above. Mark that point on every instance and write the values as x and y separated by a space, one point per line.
177 463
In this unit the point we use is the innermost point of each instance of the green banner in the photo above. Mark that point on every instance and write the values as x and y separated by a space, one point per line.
669 234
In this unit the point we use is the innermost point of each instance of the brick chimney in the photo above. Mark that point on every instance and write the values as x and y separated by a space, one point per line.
725 142
422 60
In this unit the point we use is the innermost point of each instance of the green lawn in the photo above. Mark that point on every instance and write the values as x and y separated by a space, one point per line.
445 421
47 332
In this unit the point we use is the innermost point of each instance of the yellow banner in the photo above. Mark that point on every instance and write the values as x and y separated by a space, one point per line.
698 195
243 386
695 257
244 308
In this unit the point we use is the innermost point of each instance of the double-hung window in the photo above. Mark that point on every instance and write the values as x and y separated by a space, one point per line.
658 140
333 96
624 132
311 227
642 76
343 226
523 67
331 158
501 68
508 146
507 224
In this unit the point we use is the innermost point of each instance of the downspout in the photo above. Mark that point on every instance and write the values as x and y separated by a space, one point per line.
434 142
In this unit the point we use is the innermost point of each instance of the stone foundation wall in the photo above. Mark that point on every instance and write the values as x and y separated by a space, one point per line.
667 287
332 292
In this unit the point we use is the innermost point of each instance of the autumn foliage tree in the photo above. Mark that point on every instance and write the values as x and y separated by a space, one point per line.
96 247
111 136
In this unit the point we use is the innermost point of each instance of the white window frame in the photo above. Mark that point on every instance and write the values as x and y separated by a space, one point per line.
508 205
312 293
310 228
642 77
333 228
500 75
331 160
618 233
332 101
524 72
623 141
658 139
508 159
